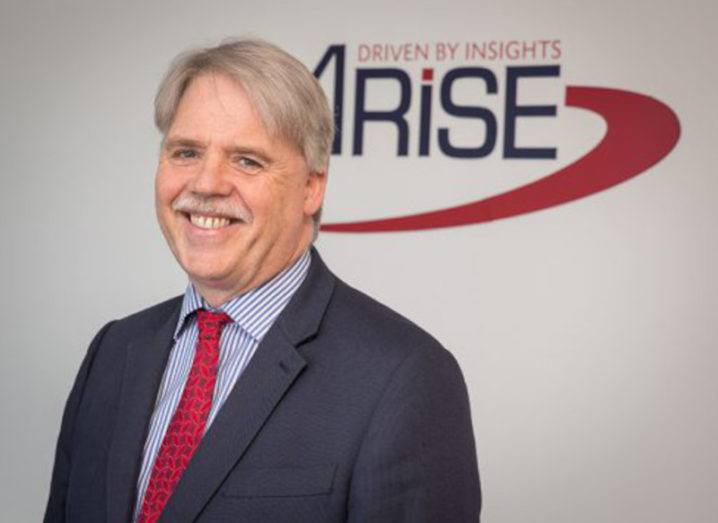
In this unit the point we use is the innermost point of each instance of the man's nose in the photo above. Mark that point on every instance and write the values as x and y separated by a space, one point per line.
211 178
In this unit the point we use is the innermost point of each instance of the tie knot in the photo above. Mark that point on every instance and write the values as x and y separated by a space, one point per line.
211 323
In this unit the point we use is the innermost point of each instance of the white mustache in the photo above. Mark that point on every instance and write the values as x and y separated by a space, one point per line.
193 203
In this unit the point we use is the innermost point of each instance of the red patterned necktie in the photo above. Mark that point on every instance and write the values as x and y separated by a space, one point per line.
186 428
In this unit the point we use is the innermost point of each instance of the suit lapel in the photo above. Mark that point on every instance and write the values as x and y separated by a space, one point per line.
271 372
274 368
144 366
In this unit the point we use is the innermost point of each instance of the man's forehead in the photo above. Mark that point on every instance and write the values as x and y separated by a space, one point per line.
219 97
216 107
216 100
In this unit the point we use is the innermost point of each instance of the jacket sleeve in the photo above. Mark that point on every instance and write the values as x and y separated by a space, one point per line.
55 510
417 462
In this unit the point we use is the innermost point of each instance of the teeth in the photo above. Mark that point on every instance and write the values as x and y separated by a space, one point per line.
208 222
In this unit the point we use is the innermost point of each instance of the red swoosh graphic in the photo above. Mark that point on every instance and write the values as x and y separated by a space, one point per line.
640 132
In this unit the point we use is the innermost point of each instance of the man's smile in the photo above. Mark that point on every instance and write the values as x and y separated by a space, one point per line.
204 221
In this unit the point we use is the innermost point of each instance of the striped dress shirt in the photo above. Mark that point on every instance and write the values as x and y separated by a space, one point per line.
253 313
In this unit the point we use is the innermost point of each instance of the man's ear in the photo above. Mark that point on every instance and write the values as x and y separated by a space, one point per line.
314 192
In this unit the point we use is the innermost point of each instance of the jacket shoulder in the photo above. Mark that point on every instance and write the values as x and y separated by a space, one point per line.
372 327
148 319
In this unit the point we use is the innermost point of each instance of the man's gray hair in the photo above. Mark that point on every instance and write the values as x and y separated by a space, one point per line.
287 97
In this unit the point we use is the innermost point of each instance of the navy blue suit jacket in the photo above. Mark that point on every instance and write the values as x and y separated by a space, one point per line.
347 412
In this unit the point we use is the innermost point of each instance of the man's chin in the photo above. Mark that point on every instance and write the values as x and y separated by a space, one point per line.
209 276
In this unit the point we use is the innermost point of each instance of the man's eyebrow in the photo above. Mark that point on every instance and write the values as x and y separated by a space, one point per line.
181 142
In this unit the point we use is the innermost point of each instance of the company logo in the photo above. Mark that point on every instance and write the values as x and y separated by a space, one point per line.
423 78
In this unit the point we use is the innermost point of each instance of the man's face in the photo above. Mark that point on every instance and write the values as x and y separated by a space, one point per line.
233 202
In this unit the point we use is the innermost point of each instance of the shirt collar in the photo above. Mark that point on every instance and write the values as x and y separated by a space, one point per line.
255 310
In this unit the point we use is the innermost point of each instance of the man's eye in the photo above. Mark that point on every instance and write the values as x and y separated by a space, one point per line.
248 164
184 154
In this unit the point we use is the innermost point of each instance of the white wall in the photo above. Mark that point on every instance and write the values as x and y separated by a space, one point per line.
586 332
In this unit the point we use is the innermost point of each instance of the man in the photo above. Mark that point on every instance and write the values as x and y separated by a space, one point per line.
271 391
